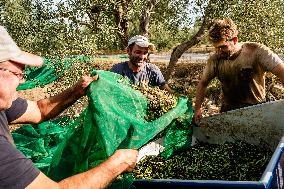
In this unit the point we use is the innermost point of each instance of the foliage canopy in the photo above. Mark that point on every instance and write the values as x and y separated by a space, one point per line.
94 26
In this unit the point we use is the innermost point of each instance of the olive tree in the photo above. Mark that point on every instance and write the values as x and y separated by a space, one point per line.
165 22
259 21
88 26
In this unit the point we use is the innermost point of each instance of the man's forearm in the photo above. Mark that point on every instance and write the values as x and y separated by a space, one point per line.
279 72
122 160
53 106
96 178
200 94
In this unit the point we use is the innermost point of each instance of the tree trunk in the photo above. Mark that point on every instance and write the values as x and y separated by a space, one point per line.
145 20
180 49
121 19
124 24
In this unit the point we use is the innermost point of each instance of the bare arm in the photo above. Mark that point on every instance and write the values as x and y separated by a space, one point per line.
200 94
46 109
96 178
279 72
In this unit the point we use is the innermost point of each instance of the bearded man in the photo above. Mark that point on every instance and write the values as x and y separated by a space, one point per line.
138 69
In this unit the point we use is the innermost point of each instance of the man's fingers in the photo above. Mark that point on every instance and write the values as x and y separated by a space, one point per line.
95 77
88 79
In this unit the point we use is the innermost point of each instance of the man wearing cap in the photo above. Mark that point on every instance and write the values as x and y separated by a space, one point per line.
137 69
17 171
240 67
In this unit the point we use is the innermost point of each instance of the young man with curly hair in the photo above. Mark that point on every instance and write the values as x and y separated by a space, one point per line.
240 67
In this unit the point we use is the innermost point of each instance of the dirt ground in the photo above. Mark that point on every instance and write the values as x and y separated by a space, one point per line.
184 81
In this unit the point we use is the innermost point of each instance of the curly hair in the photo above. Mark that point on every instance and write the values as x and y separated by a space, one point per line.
224 29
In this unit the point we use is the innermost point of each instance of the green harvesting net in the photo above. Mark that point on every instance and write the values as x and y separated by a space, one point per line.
114 119
50 71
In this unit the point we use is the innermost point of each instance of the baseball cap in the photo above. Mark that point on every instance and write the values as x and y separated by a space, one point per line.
141 41
10 51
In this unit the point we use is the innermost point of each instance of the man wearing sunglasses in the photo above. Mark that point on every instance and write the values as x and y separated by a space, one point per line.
240 67
17 171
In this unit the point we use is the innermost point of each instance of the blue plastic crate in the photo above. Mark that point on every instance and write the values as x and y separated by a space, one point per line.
272 178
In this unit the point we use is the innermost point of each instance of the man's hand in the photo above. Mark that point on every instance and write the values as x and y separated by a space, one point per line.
126 158
83 83
197 116
167 88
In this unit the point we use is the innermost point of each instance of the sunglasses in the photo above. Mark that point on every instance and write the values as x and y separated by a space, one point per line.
19 75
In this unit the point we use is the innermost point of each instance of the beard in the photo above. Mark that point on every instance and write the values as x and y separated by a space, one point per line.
136 61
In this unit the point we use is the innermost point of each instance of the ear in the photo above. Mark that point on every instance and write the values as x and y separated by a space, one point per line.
128 50
235 40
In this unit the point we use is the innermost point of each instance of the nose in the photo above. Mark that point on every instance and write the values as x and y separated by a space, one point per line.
218 49
142 56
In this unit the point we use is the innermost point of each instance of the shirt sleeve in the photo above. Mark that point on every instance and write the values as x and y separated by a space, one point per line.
209 71
18 108
16 171
267 58
117 68
113 69
160 80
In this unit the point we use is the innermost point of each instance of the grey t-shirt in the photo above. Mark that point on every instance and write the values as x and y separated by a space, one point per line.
150 74
16 171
